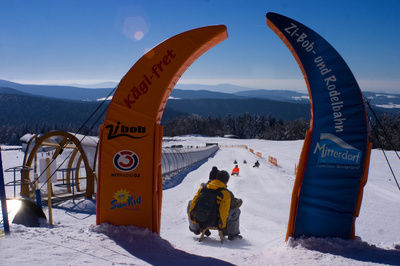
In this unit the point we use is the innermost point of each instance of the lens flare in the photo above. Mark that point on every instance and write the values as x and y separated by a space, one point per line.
135 28
13 207
138 35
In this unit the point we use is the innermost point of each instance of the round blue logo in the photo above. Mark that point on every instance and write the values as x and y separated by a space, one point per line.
126 160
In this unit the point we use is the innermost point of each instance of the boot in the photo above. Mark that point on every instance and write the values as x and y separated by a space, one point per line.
233 237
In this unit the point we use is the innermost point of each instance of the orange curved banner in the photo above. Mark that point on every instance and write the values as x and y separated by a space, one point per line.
129 189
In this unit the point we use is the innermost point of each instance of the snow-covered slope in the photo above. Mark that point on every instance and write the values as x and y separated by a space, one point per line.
266 192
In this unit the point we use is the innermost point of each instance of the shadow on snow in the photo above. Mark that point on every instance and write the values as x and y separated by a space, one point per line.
150 247
352 249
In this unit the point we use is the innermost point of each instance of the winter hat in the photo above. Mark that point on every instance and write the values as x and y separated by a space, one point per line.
223 176
213 173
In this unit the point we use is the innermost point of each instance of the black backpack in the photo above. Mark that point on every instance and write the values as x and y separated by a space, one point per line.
206 210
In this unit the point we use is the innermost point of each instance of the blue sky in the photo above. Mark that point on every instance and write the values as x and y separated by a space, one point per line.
91 41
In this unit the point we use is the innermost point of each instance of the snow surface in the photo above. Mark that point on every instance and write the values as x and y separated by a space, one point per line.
266 192
389 105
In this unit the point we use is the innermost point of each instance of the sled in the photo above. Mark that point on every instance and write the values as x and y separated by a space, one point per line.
221 235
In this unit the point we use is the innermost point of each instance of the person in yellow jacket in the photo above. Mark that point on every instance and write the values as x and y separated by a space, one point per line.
227 217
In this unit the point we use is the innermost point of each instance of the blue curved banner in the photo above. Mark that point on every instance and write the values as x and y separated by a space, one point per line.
335 157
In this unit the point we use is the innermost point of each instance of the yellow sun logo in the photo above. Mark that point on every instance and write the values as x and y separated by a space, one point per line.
121 196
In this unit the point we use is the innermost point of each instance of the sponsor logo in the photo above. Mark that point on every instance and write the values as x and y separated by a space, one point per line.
126 160
333 150
119 130
125 174
124 200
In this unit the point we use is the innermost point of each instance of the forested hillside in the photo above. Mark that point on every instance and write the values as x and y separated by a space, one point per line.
243 126
222 107
23 113
20 114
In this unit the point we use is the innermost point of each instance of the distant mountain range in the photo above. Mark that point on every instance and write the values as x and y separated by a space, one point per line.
55 91
281 104
189 92
6 90
276 95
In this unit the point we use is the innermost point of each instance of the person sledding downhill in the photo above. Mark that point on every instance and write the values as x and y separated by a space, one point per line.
235 170
214 206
